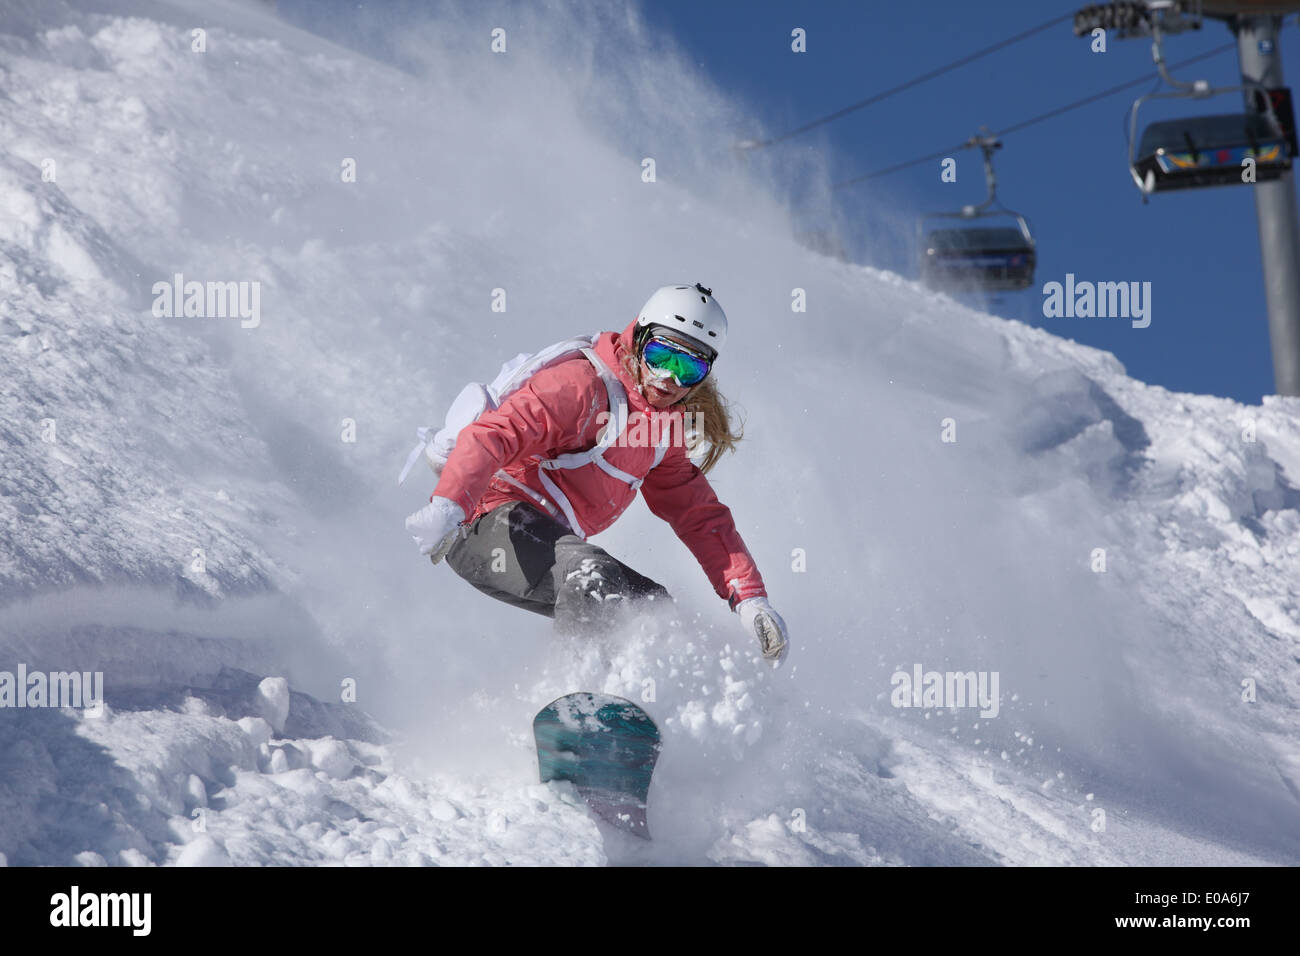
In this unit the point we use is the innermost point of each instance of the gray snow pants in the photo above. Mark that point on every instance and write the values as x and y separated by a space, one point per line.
519 554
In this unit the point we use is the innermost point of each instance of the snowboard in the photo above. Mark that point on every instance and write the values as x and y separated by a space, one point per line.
606 747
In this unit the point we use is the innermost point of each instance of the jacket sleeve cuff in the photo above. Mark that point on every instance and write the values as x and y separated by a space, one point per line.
464 500
739 593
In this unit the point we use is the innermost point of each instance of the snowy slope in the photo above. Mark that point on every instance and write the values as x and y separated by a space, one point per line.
1121 691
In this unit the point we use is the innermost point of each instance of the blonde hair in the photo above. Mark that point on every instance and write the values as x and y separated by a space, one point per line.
707 418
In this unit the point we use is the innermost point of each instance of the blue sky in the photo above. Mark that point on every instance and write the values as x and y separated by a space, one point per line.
1199 249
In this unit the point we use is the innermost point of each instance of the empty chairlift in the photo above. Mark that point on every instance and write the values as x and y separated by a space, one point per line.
1209 150
1196 151
982 254
987 258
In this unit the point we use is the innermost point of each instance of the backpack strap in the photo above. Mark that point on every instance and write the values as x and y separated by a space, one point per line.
560 498
545 505
618 417
426 438
661 449
578 459
618 423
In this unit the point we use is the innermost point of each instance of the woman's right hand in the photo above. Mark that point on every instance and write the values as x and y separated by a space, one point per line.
435 527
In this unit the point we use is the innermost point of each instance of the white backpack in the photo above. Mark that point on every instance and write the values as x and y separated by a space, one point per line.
475 399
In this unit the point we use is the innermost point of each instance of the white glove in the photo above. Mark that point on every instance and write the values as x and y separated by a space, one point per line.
435 526
761 621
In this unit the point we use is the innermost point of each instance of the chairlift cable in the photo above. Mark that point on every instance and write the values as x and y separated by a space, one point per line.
1016 127
924 77
1113 90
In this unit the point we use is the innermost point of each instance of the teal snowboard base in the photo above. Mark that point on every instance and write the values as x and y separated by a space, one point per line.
607 747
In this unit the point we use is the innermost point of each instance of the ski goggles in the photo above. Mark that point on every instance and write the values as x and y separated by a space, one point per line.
670 358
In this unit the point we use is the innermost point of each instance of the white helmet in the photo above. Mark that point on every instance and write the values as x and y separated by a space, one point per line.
689 310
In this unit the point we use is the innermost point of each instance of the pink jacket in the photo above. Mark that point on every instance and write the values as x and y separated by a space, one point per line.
559 410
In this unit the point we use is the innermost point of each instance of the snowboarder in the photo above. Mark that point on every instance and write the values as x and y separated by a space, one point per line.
529 481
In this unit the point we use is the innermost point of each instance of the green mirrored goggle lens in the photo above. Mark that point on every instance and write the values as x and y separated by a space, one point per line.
687 367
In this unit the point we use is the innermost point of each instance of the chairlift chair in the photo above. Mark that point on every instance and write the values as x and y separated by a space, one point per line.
1196 151
977 257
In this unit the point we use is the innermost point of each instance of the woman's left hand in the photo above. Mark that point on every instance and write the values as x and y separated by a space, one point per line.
760 621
